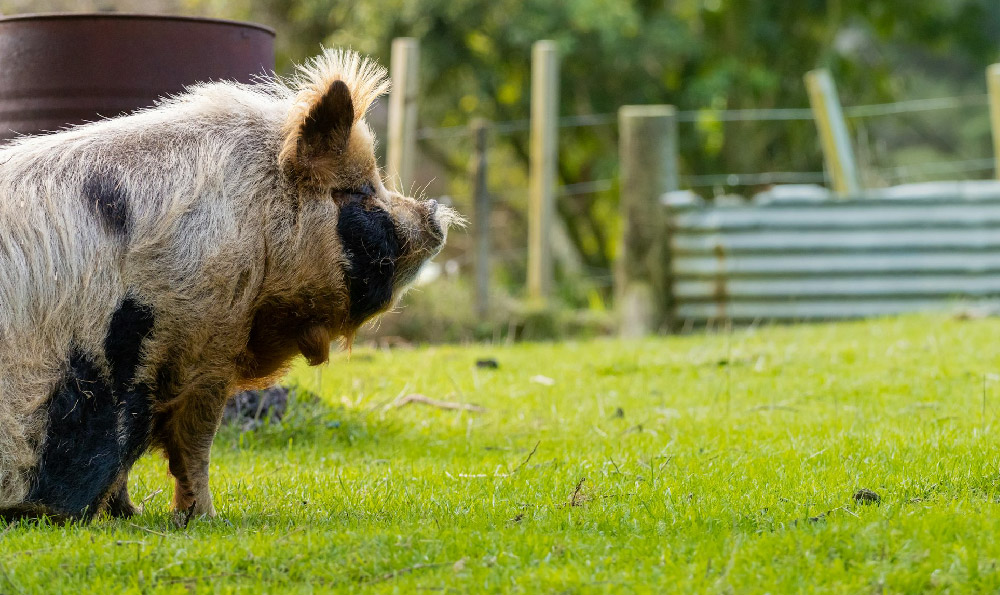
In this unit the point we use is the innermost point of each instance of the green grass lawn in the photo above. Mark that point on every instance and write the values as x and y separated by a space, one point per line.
722 463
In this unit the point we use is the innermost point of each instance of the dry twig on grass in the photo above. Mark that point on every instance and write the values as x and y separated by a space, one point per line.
173 580
425 400
147 530
149 497
578 498
497 475
183 522
525 461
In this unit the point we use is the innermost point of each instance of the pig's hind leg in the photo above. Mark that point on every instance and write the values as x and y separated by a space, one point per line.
119 504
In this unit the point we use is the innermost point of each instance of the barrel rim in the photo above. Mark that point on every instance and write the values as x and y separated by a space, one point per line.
70 16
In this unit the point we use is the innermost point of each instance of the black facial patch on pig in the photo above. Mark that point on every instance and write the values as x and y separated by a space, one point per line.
99 421
108 202
372 248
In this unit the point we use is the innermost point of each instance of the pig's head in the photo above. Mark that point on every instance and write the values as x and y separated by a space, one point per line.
357 244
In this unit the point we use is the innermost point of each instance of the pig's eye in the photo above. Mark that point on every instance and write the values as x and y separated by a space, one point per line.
361 193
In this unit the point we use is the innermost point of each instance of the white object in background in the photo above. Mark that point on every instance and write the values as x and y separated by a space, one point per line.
729 200
543 380
981 189
943 189
919 190
428 273
681 198
793 193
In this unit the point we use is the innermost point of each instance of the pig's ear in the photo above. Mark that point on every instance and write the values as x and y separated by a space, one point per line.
331 93
321 131
327 127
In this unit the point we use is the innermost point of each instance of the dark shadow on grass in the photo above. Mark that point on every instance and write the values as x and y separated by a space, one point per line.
307 419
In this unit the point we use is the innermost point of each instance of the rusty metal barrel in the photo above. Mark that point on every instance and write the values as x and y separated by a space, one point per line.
62 69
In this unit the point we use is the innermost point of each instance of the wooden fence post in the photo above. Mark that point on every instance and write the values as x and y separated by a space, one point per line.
648 161
404 70
481 215
833 133
993 86
542 171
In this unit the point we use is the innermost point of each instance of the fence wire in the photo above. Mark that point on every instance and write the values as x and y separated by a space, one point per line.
730 115
510 196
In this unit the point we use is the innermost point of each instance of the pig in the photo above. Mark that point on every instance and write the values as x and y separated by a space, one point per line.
154 264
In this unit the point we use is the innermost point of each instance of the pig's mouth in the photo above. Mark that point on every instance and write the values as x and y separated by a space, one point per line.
426 242
437 228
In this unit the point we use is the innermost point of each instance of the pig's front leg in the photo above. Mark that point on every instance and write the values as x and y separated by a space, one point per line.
187 432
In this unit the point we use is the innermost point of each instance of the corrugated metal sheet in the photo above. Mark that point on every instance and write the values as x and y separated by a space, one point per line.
799 260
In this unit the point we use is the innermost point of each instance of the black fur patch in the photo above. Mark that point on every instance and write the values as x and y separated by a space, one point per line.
372 248
108 202
99 423
82 456
131 323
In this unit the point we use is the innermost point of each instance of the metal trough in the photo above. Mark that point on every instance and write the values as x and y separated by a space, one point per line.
63 69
